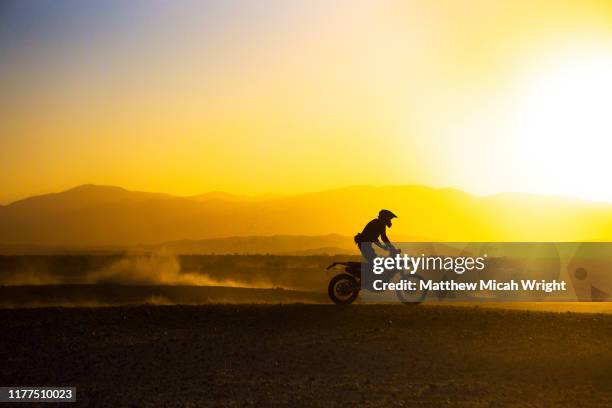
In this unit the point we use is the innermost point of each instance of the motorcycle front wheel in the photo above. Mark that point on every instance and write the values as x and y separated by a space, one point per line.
410 297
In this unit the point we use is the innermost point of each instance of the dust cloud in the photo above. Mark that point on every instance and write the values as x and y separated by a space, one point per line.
160 278
151 269
159 269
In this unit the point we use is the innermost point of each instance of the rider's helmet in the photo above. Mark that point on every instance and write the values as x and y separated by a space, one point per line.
386 216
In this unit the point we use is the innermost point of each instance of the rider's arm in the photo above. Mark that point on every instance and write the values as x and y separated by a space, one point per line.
384 237
388 245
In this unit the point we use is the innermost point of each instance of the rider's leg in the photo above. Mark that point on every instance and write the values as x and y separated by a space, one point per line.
368 253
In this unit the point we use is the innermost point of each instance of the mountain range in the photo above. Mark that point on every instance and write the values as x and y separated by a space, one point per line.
92 215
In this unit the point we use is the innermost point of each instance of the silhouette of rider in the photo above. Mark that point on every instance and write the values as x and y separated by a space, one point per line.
371 233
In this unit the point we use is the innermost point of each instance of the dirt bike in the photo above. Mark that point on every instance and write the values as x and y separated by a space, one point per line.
344 288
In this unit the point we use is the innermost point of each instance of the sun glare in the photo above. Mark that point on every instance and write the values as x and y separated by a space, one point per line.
564 125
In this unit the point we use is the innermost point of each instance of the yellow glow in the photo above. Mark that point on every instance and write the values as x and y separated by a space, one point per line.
564 125
289 97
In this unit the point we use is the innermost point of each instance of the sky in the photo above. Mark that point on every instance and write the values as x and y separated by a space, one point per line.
259 97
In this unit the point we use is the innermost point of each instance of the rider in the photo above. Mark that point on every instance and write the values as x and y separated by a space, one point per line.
374 229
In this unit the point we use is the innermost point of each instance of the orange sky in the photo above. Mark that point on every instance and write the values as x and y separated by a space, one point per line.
187 97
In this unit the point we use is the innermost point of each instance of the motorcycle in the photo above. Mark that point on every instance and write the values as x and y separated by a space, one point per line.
344 288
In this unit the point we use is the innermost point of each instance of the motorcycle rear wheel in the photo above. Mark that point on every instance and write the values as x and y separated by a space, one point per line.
343 289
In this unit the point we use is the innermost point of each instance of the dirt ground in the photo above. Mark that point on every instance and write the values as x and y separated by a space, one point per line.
311 355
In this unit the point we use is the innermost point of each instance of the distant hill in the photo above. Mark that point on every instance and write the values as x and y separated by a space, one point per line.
332 244
102 215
